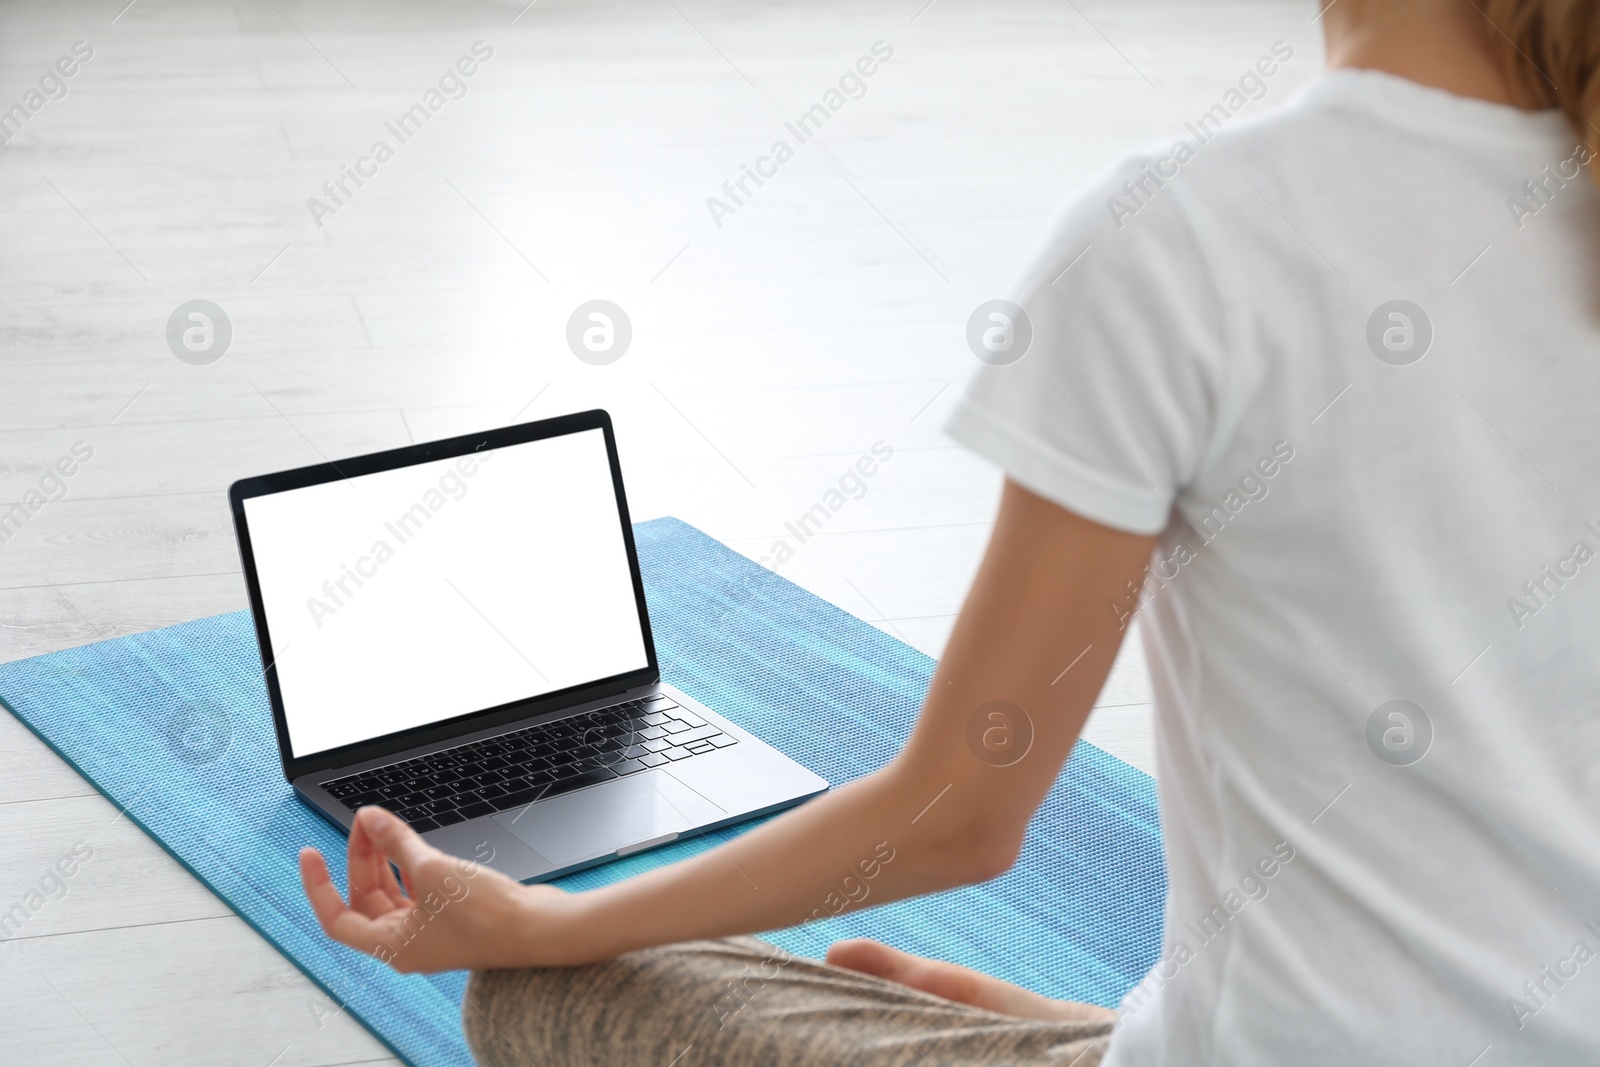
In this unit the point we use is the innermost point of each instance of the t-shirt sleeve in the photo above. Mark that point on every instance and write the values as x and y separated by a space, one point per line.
1111 408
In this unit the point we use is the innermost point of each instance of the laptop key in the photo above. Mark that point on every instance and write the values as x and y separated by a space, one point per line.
677 753
361 800
721 740
690 736
673 726
652 759
422 826
553 789
472 811
449 818
635 751
628 766
657 745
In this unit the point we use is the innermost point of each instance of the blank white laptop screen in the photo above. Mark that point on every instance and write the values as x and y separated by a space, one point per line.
411 596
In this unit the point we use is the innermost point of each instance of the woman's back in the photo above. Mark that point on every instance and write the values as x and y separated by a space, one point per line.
1345 356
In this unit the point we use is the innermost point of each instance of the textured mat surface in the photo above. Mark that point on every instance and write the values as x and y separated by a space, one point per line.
174 726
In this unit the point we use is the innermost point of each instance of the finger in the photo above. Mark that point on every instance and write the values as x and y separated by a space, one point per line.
361 852
866 957
343 925
375 904
397 841
405 880
372 886
326 903
931 976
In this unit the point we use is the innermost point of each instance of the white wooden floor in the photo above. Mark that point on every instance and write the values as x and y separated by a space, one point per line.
769 352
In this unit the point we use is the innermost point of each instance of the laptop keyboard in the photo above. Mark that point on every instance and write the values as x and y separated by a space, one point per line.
544 761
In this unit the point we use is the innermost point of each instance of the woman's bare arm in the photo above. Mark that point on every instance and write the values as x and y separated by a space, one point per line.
1038 631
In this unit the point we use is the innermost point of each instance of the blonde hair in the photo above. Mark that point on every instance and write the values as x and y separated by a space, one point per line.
1550 53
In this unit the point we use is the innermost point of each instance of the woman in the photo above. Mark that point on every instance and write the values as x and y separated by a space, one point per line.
1316 399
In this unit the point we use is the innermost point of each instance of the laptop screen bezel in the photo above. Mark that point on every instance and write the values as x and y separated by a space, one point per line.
373 748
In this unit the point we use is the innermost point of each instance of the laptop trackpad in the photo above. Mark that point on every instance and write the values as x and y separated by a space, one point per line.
599 821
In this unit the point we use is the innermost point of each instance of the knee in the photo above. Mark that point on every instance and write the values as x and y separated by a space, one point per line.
578 1016
536 1015
496 1011
629 1010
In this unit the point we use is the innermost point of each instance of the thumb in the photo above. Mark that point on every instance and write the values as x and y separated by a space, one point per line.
394 838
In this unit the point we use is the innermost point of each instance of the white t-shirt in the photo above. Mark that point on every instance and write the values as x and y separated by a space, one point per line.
1350 511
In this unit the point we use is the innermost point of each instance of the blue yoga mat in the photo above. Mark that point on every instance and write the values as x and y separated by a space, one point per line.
174 726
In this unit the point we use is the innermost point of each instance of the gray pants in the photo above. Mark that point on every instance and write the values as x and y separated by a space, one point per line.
739 1001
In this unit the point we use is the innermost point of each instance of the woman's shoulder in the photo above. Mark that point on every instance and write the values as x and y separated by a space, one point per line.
1208 160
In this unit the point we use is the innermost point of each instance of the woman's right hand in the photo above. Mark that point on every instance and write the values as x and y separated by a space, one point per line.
449 913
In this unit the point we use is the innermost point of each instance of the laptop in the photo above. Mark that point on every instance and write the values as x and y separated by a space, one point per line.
457 631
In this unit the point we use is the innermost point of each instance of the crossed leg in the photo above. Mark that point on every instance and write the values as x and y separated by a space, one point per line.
740 1000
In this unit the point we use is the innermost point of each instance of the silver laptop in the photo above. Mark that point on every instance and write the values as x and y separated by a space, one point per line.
458 631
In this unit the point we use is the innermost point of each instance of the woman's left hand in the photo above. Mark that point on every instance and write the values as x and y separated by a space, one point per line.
961 984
